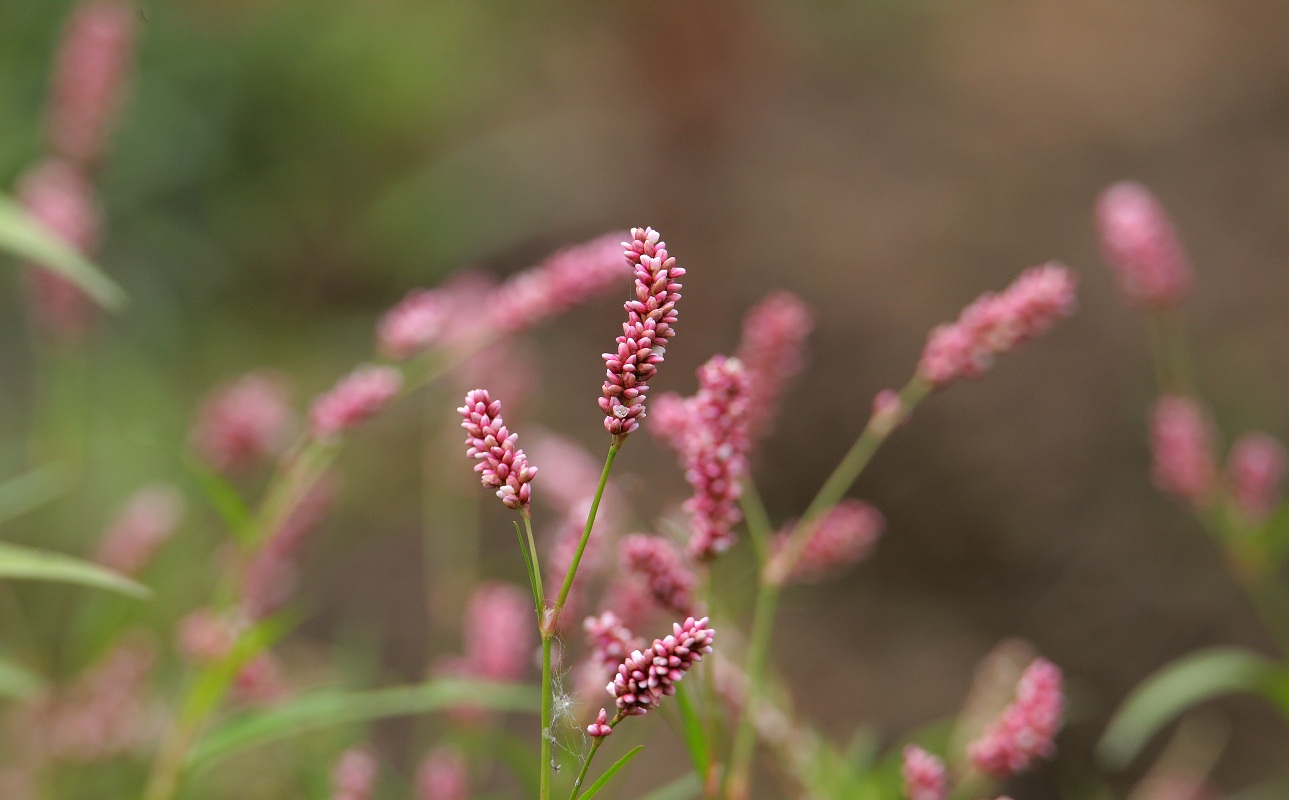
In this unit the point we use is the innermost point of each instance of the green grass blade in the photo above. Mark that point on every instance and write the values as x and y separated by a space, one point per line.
31 490
686 787
23 237
226 501
18 682
610 772
691 728
25 563
328 708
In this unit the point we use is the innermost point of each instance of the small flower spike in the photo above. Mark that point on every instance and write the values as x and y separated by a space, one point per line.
773 350
143 524
995 324
89 79
1181 442
843 536
662 568
600 728
564 280
420 321
354 776
610 640
651 317
1139 242
644 678
502 465
1255 469
355 399
498 632
243 423
924 775
443 775
1027 728
716 455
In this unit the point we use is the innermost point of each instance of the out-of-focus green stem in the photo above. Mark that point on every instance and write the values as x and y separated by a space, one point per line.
586 763
758 657
1174 370
759 527
586 537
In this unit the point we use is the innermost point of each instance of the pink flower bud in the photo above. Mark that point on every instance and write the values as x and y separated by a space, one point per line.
148 518
1027 727
843 536
995 324
662 568
651 317
244 422
773 351
502 465
1140 244
716 453
442 775
644 678
600 728
356 398
924 775
1183 450
354 776
499 630
89 79
1255 469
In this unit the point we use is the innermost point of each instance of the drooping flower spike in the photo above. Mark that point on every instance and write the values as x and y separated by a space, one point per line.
1027 728
651 317
844 535
501 464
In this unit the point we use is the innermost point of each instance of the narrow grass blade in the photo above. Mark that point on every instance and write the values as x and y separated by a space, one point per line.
23 237
25 563
610 772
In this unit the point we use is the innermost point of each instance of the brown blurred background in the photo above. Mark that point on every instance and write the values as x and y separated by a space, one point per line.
288 169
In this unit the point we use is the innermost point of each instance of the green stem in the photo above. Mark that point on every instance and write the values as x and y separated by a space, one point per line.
537 566
758 658
586 763
586 537
759 527
1174 370
547 723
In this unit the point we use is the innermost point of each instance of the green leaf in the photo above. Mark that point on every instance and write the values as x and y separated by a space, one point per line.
226 501
610 772
1178 686
17 681
25 563
531 567
23 237
685 787
691 727
327 708
33 489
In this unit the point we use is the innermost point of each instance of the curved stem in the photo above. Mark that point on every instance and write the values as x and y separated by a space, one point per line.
586 763
586 537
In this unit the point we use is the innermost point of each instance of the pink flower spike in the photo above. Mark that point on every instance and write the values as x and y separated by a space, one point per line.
1139 242
1027 728
995 324
662 568
844 535
502 465
651 317
61 201
1255 469
600 728
442 775
1183 452
773 350
144 523
610 640
243 422
645 677
671 416
716 454
924 775
565 279
499 632
420 321
354 777
89 78
355 399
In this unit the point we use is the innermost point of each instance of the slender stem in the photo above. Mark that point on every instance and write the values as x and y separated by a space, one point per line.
1174 369
759 527
532 550
586 762
586 537
758 657
547 723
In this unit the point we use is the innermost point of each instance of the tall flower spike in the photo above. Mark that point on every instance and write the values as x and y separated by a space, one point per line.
354 776
565 279
670 425
1255 469
651 317
419 321
645 677
662 568
1027 727
716 453
773 350
924 775
243 422
995 324
89 78
356 398
142 525
502 465
443 775
1183 451
1141 245
498 632
844 535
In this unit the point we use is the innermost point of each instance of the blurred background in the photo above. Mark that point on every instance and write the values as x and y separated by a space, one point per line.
286 170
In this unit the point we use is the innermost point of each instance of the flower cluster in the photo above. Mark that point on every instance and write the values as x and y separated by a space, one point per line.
565 279
1255 468
995 324
844 535
270 575
417 323
244 422
355 399
773 351
442 775
662 569
61 200
502 465
1139 242
610 640
89 76
645 677
1027 727
498 632
1181 442
148 518
651 317
716 454
354 776
924 775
